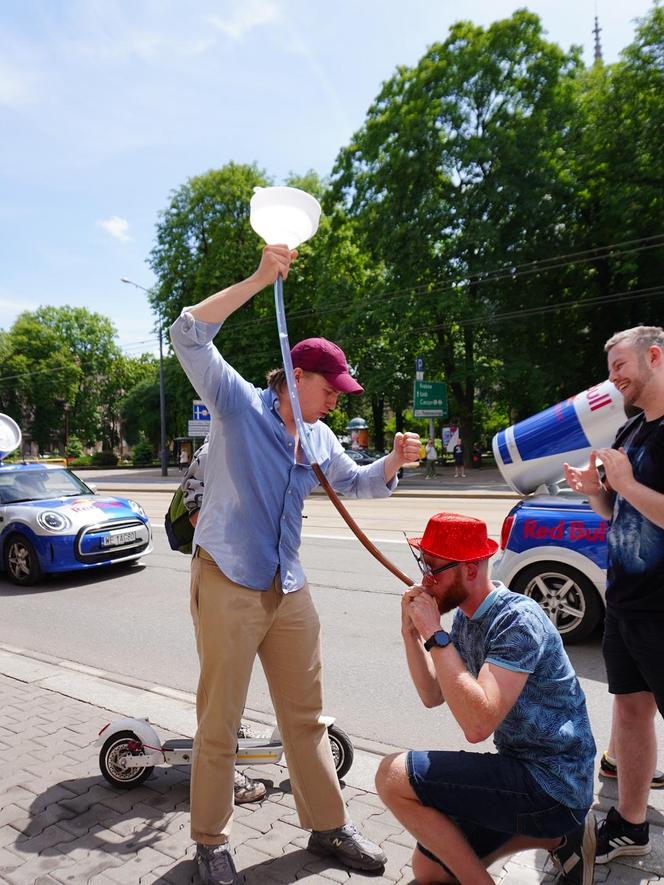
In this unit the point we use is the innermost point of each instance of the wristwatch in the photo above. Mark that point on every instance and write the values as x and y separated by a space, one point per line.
439 639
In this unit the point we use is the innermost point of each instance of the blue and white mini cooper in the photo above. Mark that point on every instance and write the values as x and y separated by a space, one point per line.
51 521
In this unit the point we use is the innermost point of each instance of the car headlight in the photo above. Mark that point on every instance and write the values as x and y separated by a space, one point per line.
136 507
53 521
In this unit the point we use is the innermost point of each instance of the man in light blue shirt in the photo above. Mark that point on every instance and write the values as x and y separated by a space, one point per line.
249 594
502 671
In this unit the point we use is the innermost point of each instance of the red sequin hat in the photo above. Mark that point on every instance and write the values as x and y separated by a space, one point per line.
455 537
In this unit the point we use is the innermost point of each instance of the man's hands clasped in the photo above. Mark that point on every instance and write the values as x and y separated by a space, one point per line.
587 481
419 612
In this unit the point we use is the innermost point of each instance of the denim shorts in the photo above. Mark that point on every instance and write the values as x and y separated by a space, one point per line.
489 796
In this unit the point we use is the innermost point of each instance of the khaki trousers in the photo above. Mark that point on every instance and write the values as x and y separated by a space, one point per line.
232 625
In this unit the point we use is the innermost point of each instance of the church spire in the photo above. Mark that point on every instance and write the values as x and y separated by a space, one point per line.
598 45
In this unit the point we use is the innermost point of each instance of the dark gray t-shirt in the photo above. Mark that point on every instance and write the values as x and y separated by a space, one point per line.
635 577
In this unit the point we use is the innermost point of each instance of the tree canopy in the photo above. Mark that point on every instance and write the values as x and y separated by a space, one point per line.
64 373
499 212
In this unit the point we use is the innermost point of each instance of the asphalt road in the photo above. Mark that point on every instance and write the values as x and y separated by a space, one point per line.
136 621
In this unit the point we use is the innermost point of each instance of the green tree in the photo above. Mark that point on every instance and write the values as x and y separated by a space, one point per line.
40 375
89 338
205 243
140 413
617 166
61 365
456 171
124 374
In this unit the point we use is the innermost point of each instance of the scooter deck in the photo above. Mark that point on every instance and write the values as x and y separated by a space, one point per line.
249 751
178 744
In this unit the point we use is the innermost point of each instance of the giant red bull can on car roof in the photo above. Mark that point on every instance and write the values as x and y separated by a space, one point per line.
532 452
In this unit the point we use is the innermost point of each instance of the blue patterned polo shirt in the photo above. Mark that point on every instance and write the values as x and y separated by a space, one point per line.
548 726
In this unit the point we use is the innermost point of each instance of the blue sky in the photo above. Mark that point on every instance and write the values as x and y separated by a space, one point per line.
106 106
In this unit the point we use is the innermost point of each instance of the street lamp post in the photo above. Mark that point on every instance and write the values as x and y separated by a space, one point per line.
162 394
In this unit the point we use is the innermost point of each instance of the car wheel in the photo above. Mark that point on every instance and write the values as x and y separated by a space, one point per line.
21 561
568 598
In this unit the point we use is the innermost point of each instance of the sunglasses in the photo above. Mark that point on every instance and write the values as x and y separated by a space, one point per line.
426 569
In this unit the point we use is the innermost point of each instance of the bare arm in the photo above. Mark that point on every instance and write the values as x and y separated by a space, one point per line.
478 705
420 664
218 307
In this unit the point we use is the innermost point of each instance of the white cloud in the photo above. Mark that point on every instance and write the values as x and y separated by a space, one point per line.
117 227
246 17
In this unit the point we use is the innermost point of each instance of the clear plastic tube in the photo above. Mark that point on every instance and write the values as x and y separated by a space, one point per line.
288 368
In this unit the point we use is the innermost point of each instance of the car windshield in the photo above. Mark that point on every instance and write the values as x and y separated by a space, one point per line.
39 484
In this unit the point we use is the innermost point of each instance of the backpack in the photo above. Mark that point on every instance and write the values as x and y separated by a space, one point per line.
179 530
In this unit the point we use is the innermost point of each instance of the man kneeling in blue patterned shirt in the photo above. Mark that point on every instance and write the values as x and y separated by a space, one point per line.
503 671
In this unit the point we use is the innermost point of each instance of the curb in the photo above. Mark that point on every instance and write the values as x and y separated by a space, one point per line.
399 493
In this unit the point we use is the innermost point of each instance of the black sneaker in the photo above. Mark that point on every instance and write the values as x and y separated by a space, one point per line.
608 768
616 837
576 856
349 846
215 865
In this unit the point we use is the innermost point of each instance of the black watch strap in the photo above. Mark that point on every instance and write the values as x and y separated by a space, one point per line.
439 639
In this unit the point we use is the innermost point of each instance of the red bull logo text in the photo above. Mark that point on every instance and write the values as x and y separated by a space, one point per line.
598 397
574 530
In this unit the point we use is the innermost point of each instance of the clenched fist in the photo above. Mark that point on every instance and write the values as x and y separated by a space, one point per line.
407 447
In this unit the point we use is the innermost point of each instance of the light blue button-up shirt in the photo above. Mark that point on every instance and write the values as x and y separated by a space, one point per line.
250 521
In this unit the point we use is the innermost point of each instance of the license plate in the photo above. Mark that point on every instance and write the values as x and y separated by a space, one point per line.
118 539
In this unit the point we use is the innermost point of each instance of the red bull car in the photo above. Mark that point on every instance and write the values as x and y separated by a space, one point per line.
553 548
51 521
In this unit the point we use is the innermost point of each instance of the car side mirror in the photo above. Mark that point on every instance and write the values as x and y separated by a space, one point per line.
92 486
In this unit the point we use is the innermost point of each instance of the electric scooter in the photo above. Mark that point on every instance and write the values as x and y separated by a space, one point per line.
130 749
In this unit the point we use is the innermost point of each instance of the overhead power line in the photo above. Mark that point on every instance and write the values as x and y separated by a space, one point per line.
628 295
511 272
30 374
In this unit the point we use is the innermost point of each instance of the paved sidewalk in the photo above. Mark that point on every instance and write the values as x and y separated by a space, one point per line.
60 822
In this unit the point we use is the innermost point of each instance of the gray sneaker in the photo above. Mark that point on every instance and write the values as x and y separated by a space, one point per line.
348 846
247 790
248 731
215 865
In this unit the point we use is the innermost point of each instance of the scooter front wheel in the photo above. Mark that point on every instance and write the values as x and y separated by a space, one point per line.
342 749
119 745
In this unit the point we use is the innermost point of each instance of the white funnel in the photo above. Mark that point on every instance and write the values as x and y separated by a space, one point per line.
284 215
10 435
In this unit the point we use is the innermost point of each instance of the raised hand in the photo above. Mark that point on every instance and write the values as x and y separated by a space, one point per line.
275 260
618 468
585 480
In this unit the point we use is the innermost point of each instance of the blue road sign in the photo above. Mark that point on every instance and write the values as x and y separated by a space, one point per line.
199 411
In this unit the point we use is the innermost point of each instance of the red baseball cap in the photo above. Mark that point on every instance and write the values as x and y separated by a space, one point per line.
455 537
327 359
